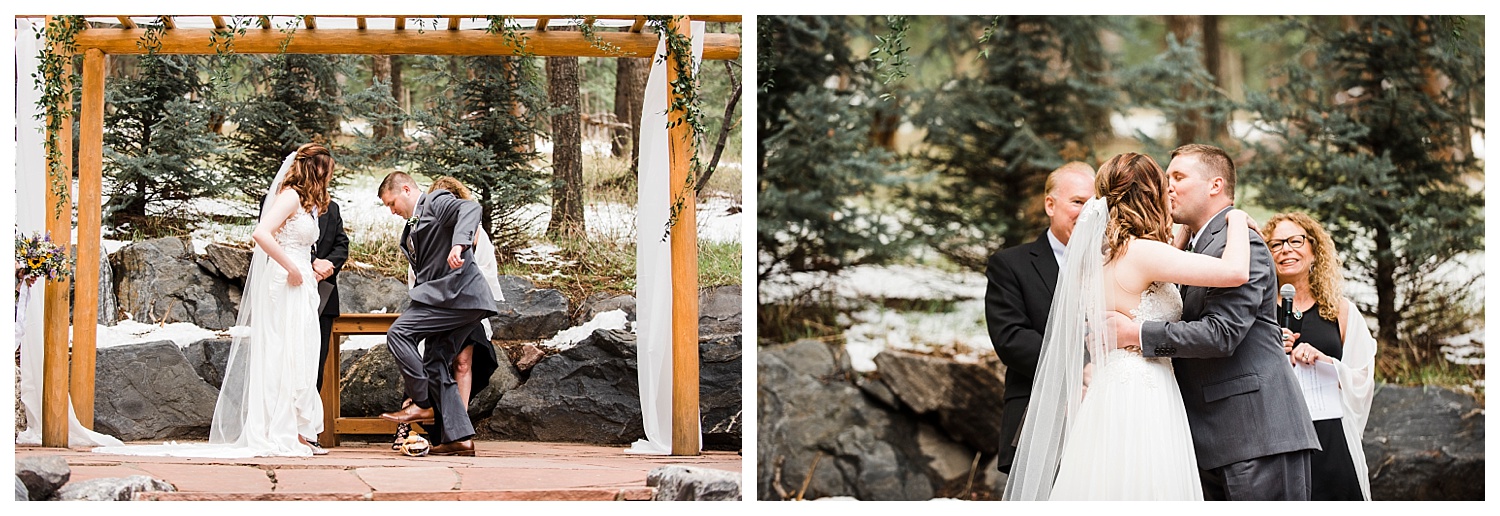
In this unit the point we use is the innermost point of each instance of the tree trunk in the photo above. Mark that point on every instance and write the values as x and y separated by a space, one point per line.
380 71
567 148
1385 287
1185 29
1213 63
398 92
630 92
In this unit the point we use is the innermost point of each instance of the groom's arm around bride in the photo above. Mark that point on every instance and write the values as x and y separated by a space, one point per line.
1251 429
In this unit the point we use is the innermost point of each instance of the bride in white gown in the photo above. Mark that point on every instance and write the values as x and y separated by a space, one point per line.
268 403
1106 423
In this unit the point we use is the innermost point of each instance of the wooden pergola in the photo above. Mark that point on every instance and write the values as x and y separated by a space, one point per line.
612 36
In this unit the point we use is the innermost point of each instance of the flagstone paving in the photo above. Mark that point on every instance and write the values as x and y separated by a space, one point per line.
356 471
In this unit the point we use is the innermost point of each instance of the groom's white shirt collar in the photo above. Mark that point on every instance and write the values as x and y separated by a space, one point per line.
1192 244
1059 250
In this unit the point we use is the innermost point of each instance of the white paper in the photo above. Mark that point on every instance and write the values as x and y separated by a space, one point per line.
1320 387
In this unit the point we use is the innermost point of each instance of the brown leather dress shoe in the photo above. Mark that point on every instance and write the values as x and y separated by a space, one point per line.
464 448
410 414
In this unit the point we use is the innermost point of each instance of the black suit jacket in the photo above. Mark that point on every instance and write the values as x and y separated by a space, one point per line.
332 245
1016 304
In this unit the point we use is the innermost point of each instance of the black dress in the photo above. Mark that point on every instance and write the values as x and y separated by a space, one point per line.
1333 475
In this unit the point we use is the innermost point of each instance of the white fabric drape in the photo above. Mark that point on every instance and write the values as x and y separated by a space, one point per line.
1357 390
653 263
31 212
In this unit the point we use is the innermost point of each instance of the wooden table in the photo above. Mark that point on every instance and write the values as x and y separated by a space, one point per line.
333 423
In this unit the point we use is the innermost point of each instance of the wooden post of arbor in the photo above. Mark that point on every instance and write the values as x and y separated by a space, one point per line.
55 315
86 282
684 246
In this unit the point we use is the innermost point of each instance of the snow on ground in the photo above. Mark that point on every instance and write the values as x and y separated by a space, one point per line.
133 332
611 320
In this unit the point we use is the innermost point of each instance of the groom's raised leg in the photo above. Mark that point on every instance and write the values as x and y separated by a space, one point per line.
422 321
452 415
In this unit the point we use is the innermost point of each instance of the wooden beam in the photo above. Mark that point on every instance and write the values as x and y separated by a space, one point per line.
55 318
310 22
360 21
400 42
541 24
90 183
684 251
218 22
640 23
126 22
265 22
453 22
400 23
167 22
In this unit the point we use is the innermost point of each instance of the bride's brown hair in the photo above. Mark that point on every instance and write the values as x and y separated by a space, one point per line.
309 176
1136 189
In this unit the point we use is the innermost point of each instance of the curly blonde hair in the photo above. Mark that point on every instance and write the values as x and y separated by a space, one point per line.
451 184
1324 278
1135 188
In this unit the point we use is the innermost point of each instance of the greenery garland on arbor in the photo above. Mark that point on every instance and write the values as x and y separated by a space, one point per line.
686 101
58 55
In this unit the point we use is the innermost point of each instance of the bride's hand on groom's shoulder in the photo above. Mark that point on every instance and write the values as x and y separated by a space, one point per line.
1245 218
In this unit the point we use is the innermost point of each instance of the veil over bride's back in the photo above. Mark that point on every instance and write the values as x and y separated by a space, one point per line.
1076 332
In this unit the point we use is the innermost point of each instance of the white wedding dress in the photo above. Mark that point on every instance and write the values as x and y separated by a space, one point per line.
1126 436
1130 438
269 395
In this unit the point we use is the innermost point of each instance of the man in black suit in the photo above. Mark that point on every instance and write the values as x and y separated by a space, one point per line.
329 254
1019 295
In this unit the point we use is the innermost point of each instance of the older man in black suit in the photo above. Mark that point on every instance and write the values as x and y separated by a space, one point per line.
1019 295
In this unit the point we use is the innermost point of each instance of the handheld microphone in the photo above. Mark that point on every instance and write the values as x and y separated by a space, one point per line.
1287 293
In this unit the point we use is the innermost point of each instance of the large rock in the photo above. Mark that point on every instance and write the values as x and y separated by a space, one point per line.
587 393
42 475
687 483
720 386
153 393
231 263
365 292
529 313
601 302
965 398
112 489
815 422
210 358
719 311
1425 443
108 309
372 384
160 280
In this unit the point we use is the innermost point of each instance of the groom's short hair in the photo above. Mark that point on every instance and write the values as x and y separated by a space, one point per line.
1218 162
394 180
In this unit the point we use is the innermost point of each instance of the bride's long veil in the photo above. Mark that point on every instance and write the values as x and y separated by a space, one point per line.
1075 331
230 410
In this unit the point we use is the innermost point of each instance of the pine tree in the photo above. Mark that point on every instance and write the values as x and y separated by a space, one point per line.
1038 98
479 131
817 161
157 143
296 102
1370 135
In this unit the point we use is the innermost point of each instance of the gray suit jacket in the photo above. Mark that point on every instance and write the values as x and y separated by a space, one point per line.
443 221
1242 400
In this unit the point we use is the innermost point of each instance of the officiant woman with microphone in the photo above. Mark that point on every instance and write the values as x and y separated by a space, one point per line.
1326 327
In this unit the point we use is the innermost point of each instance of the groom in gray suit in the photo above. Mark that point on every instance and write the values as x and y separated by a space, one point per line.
1251 428
448 302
